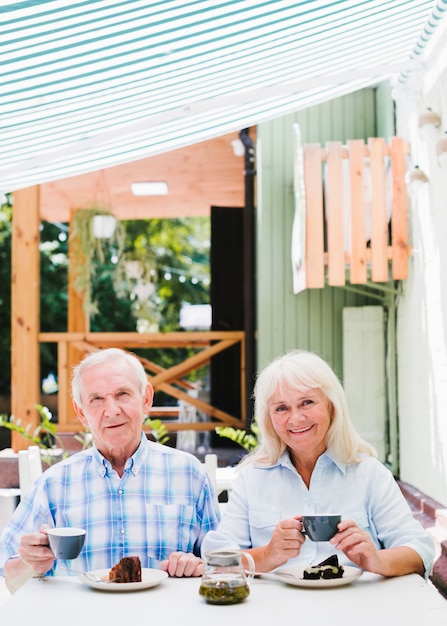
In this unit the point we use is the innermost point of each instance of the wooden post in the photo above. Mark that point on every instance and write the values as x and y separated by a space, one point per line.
25 305
334 214
78 321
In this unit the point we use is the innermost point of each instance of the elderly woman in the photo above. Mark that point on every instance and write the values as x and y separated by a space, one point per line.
311 460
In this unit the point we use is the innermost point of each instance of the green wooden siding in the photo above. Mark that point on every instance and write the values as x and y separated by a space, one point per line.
313 319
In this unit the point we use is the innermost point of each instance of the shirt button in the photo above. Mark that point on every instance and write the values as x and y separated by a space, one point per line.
120 492
122 531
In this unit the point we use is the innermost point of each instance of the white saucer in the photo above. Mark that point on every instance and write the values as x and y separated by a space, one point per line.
149 578
350 574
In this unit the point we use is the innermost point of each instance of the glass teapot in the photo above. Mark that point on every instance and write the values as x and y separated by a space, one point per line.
224 580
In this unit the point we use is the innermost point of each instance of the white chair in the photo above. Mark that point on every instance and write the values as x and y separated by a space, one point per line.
30 468
210 464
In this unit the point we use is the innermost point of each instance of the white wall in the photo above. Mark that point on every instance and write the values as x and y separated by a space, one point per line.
422 311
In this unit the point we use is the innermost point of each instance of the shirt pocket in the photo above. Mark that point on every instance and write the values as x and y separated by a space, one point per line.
170 528
263 519
359 517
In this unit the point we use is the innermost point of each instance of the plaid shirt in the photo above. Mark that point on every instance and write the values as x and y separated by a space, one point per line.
163 503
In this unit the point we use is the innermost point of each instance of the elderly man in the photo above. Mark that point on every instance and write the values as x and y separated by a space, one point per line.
132 496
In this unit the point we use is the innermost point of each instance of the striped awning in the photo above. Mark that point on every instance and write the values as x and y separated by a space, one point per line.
87 84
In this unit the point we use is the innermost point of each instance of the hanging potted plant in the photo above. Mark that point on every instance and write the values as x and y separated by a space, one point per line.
135 267
135 278
95 232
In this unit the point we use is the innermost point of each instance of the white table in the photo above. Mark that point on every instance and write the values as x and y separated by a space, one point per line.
369 601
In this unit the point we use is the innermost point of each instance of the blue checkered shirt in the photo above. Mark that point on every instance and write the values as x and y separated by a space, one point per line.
163 503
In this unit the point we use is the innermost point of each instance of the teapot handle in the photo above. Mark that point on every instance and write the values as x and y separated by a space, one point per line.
251 566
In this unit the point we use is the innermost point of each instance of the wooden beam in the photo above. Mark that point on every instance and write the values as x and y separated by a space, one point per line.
25 304
399 220
358 269
77 321
314 216
379 237
334 214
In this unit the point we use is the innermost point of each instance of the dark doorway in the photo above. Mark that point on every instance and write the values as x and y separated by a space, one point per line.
227 303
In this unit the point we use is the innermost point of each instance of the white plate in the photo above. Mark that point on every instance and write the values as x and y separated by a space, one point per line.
149 578
349 575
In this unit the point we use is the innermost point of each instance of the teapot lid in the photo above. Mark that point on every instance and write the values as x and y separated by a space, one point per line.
224 558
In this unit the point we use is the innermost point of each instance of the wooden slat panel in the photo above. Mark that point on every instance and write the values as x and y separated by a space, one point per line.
334 214
358 273
379 238
314 216
353 219
399 221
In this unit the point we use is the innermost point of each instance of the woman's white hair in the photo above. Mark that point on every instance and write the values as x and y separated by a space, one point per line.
106 356
302 371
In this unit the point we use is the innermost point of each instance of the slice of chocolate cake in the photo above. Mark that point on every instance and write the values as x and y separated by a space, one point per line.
327 569
127 570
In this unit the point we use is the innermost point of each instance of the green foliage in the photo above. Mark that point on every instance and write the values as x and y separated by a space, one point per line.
180 248
248 440
158 430
44 435
53 290
5 294
93 251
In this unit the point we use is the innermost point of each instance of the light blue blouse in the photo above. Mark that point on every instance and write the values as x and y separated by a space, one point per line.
365 492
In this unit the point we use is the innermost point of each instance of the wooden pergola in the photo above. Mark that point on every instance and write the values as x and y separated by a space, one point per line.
380 258
198 177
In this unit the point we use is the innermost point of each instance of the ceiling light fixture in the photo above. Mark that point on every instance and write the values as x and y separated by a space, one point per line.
238 148
158 188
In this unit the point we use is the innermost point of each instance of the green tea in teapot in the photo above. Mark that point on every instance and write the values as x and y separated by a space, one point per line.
224 590
224 579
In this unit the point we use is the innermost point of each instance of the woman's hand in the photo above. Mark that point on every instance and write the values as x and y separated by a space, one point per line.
360 549
357 545
182 564
285 544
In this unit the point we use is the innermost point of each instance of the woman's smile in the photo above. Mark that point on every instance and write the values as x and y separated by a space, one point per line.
304 429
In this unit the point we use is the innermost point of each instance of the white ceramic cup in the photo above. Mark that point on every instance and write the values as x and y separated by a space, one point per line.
65 542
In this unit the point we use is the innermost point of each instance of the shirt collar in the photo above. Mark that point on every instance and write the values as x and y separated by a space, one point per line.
328 458
133 464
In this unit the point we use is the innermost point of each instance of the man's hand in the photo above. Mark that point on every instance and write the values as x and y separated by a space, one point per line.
182 564
35 559
35 551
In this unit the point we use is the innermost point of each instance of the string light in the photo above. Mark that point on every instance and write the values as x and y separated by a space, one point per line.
183 276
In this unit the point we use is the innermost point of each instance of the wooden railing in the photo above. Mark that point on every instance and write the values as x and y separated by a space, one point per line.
171 381
356 212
